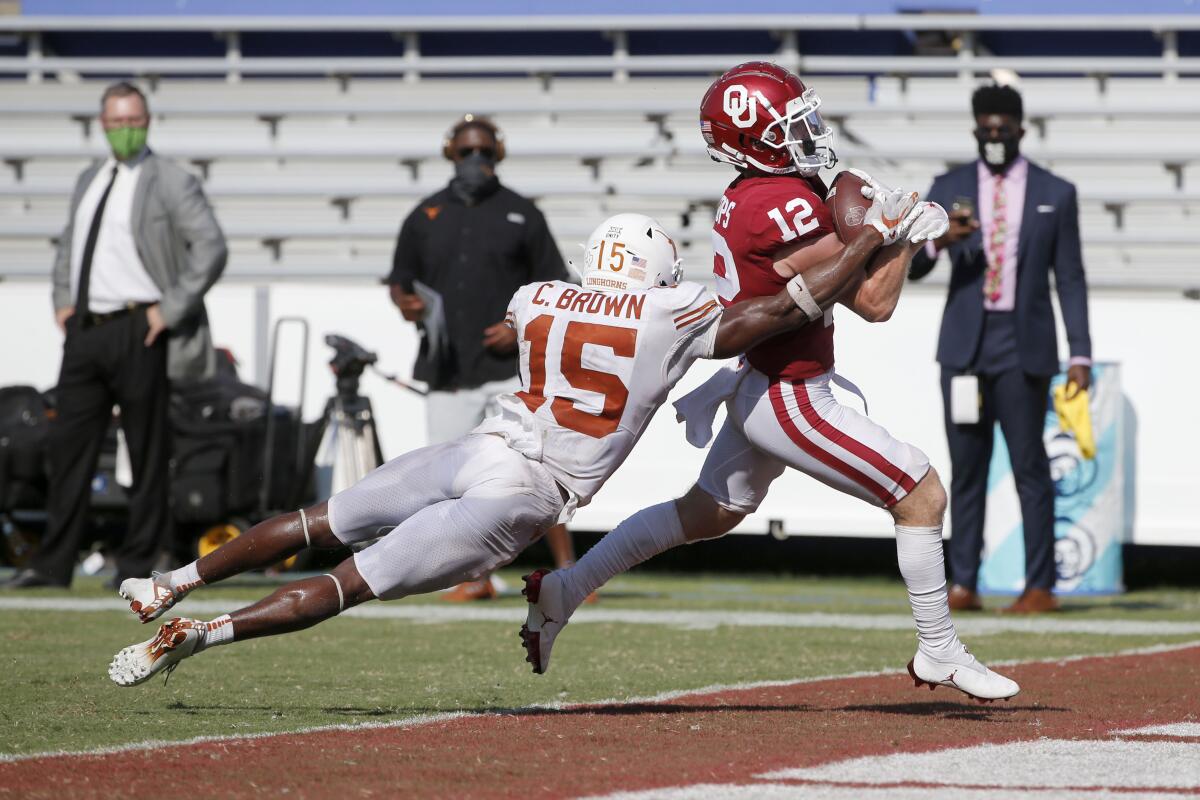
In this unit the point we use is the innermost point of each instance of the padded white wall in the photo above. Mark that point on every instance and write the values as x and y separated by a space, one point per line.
1151 334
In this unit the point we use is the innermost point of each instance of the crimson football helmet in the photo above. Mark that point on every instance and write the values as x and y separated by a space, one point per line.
761 115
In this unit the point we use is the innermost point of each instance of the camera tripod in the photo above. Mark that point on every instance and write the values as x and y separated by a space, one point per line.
349 446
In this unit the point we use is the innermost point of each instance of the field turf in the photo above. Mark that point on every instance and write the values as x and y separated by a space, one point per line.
57 696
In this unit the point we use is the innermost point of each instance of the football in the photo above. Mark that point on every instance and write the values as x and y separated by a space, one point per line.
846 203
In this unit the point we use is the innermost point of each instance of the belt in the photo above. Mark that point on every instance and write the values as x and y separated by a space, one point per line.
91 318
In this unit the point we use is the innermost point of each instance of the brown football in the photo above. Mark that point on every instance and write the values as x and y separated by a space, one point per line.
846 203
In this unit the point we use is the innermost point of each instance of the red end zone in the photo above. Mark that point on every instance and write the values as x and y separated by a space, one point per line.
732 737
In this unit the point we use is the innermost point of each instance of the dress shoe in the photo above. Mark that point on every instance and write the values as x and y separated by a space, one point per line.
963 599
1033 601
469 591
29 579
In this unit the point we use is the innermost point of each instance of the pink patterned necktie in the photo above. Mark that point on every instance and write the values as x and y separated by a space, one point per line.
995 243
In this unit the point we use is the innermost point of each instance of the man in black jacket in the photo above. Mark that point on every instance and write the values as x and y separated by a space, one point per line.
998 329
461 255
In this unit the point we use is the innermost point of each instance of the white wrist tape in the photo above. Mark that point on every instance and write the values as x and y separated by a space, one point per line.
803 298
304 523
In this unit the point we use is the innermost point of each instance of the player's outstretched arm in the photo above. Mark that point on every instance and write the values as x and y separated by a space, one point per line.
875 294
877 291
806 297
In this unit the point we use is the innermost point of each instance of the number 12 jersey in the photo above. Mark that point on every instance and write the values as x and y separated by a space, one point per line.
595 366
757 220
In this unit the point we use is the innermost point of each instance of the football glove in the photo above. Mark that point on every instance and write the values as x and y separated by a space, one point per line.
926 222
870 185
890 213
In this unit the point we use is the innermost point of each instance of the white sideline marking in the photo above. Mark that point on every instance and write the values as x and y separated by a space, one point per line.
780 791
1181 729
690 620
662 697
1057 763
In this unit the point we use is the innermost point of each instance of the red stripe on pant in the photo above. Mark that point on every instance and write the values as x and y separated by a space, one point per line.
867 454
828 459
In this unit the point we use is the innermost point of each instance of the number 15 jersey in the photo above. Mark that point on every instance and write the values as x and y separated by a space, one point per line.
595 366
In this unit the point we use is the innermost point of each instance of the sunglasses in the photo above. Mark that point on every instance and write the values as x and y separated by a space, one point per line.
466 152
1002 132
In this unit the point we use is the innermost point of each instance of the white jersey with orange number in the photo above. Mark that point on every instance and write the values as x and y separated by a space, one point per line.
595 366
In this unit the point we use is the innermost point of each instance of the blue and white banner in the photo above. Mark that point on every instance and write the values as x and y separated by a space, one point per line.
1089 502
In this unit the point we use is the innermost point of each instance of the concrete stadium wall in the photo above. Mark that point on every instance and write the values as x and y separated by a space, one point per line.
1152 335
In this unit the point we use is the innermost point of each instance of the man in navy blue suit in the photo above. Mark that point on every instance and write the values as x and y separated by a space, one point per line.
998 327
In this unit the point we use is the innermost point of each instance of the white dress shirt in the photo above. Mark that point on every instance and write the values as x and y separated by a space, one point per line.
118 275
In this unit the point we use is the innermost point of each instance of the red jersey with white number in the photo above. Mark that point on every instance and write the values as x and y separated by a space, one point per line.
595 366
756 219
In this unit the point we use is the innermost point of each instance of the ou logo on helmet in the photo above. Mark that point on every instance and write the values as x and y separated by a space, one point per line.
740 105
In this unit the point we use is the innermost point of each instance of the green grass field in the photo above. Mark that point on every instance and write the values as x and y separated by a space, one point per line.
57 696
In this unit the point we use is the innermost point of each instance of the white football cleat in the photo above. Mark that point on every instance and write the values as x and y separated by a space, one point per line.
148 598
546 618
175 641
961 671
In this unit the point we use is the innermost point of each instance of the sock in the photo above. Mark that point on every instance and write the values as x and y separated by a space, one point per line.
183 580
647 533
218 631
919 551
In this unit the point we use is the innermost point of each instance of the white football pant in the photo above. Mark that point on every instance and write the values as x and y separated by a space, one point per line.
456 511
777 424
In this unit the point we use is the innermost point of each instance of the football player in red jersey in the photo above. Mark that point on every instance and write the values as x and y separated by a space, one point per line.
773 224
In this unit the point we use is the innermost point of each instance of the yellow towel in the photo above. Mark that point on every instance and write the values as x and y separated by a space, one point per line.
1074 416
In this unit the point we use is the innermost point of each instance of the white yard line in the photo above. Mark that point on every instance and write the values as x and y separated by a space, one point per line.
430 719
691 620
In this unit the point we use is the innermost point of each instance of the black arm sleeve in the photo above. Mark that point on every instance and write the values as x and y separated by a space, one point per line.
545 262
406 261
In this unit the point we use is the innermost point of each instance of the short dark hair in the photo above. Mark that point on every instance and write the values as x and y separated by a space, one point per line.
996 99
123 89
474 121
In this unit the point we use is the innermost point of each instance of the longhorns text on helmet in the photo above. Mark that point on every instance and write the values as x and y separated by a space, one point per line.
629 252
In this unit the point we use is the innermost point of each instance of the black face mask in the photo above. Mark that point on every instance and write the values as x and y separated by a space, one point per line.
998 154
474 177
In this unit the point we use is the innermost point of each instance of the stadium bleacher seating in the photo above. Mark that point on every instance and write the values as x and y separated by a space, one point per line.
312 162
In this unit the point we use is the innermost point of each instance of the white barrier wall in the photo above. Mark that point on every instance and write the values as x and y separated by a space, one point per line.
1152 335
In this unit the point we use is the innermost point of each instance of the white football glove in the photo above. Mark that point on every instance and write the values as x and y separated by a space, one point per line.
889 213
926 222
871 186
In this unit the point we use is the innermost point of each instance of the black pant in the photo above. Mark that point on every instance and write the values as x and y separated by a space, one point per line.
1018 401
105 364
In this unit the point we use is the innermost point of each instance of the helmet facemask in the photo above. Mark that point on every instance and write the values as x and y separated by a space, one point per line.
804 133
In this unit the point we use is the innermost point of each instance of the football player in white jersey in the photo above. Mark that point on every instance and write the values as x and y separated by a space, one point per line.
596 362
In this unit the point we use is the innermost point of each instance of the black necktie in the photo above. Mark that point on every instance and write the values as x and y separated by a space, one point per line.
89 248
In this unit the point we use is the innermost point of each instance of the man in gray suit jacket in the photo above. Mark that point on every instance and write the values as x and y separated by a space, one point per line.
140 249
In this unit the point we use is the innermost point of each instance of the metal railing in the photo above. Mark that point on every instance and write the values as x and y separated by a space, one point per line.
413 64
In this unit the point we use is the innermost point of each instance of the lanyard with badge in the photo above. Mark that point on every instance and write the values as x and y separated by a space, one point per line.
965 400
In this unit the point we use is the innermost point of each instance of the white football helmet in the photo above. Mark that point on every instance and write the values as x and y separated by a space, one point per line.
630 251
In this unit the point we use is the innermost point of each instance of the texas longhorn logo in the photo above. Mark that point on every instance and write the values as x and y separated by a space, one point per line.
741 106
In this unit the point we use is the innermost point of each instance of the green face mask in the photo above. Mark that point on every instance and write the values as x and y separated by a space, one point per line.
126 142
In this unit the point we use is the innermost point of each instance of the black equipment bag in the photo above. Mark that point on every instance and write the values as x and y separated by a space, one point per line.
24 421
219 435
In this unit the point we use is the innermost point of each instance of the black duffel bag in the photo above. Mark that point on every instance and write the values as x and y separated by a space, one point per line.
24 424
219 430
